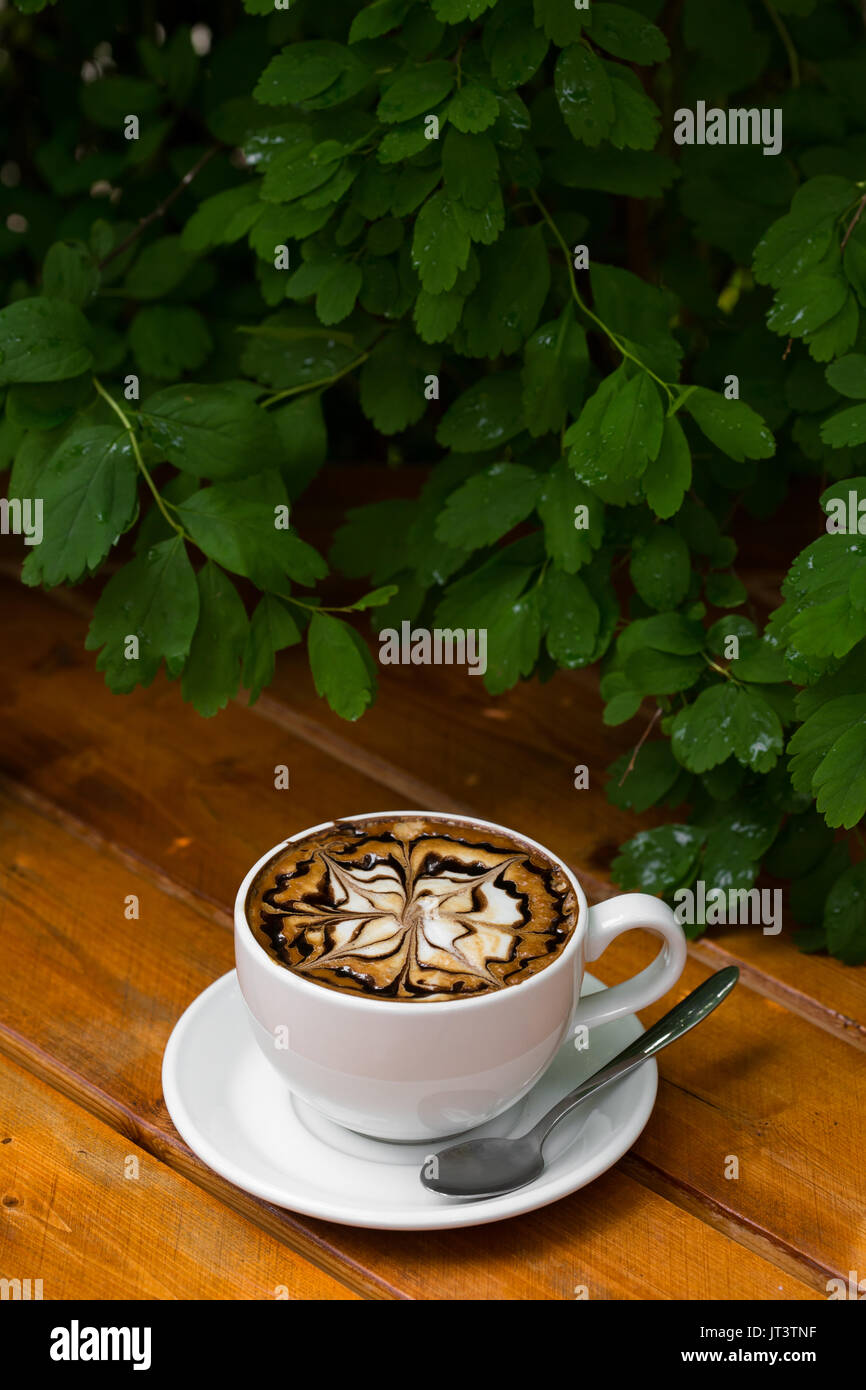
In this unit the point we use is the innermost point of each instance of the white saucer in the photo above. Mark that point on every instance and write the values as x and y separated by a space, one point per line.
236 1114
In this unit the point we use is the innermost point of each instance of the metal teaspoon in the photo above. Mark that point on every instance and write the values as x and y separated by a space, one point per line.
487 1167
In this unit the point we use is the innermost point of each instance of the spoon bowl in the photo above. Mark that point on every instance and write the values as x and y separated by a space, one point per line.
488 1167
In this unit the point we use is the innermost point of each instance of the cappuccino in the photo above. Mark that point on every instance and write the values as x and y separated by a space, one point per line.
412 909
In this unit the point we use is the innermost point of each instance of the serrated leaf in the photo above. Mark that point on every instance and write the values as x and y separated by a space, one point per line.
211 432
42 340
555 368
667 478
570 617
70 272
212 670
573 518
153 598
584 94
845 916
342 669
487 506
416 91
236 524
89 495
628 35
473 109
486 416
660 567
440 245
168 340
657 860
731 425
272 629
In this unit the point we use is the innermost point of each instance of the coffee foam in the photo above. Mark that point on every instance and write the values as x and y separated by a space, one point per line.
411 909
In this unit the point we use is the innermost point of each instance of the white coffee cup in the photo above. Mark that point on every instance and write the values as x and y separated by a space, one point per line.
415 1070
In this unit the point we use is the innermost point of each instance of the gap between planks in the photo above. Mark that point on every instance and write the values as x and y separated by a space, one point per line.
168 1148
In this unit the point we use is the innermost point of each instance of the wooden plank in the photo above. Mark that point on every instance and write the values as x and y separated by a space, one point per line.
93 1216
88 1000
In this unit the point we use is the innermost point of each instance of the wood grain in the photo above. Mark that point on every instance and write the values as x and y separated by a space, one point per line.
94 1216
90 999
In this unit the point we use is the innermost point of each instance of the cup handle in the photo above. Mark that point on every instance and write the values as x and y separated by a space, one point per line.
608 919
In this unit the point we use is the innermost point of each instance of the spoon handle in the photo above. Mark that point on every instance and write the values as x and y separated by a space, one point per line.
683 1016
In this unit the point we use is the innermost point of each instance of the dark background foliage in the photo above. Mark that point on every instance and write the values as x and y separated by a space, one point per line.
431 312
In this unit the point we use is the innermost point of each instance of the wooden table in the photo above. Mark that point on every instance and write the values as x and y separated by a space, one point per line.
104 796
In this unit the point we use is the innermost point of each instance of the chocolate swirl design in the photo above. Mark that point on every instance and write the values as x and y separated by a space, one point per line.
405 910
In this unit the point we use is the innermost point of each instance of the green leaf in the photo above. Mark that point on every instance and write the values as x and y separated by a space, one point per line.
377 598
153 598
45 404
89 495
240 532
292 348
304 438
518 51
488 505
224 217
160 267
570 617
168 340
631 428
725 719
802 305
272 629
108 101
416 91
513 640
637 120
484 417
392 381
212 670
848 375
661 673
584 94
376 19
503 309
555 368
338 292
796 242
302 71
342 669
724 590
731 425
667 478
70 272
650 779
628 35
845 429
473 109
470 166
211 432
563 24
845 916
656 861
573 518
42 340
660 567
440 246
454 11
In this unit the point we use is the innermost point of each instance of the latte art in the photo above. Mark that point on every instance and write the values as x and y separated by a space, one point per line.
411 909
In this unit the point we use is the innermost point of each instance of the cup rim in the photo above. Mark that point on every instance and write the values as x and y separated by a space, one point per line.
339 999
